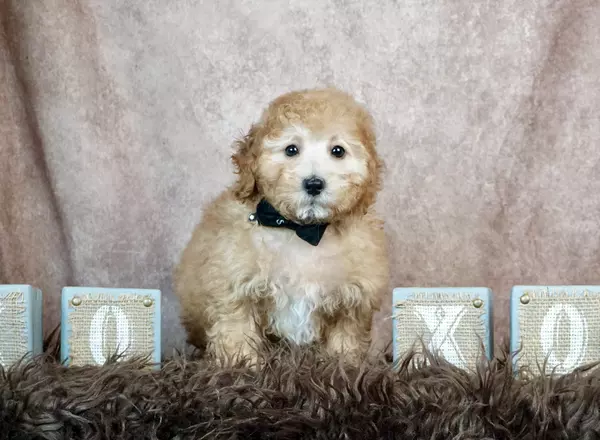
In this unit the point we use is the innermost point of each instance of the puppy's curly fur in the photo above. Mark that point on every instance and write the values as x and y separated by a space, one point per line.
240 283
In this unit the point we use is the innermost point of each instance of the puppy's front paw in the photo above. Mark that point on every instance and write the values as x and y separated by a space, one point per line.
350 347
229 354
349 355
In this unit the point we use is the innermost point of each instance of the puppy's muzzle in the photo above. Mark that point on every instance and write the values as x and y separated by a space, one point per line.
314 186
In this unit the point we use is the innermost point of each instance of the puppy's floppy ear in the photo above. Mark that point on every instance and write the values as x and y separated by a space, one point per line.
244 160
375 166
376 169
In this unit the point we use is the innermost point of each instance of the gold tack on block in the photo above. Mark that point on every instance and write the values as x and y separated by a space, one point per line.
76 301
525 298
477 303
148 302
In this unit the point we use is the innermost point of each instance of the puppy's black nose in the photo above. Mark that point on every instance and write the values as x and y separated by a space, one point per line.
314 185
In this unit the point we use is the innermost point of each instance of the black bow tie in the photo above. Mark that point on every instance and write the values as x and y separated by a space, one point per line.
267 215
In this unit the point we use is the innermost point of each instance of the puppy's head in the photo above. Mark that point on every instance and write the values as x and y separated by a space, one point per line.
312 156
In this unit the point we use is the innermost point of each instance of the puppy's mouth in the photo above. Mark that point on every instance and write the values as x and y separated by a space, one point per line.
312 211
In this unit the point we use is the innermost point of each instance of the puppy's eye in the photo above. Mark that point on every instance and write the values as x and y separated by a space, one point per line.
291 150
338 151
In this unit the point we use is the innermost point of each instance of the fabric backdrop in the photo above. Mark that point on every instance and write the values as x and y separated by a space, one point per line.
117 118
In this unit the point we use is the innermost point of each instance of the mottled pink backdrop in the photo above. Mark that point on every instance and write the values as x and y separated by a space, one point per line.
116 120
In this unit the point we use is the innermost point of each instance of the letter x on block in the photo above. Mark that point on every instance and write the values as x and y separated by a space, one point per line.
450 322
554 329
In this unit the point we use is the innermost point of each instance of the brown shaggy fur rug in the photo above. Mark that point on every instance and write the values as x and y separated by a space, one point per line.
295 394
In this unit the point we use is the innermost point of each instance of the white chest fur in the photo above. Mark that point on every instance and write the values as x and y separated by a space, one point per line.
300 278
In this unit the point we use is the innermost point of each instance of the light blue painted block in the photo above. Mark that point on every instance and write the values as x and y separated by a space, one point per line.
20 322
98 323
554 329
453 322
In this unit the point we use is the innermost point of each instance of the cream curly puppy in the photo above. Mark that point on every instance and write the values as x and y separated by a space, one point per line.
293 250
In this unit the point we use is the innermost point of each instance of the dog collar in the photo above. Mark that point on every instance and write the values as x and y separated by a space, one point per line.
267 215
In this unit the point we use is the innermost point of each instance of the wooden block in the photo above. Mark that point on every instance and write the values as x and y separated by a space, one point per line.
98 323
554 329
20 322
454 323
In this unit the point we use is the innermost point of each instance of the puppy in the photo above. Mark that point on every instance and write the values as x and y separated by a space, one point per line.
292 250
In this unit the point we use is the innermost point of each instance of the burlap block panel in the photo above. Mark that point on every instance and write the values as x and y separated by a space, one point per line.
448 325
558 330
103 326
13 328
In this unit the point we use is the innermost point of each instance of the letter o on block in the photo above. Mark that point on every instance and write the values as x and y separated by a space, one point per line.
103 324
100 334
450 322
554 329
